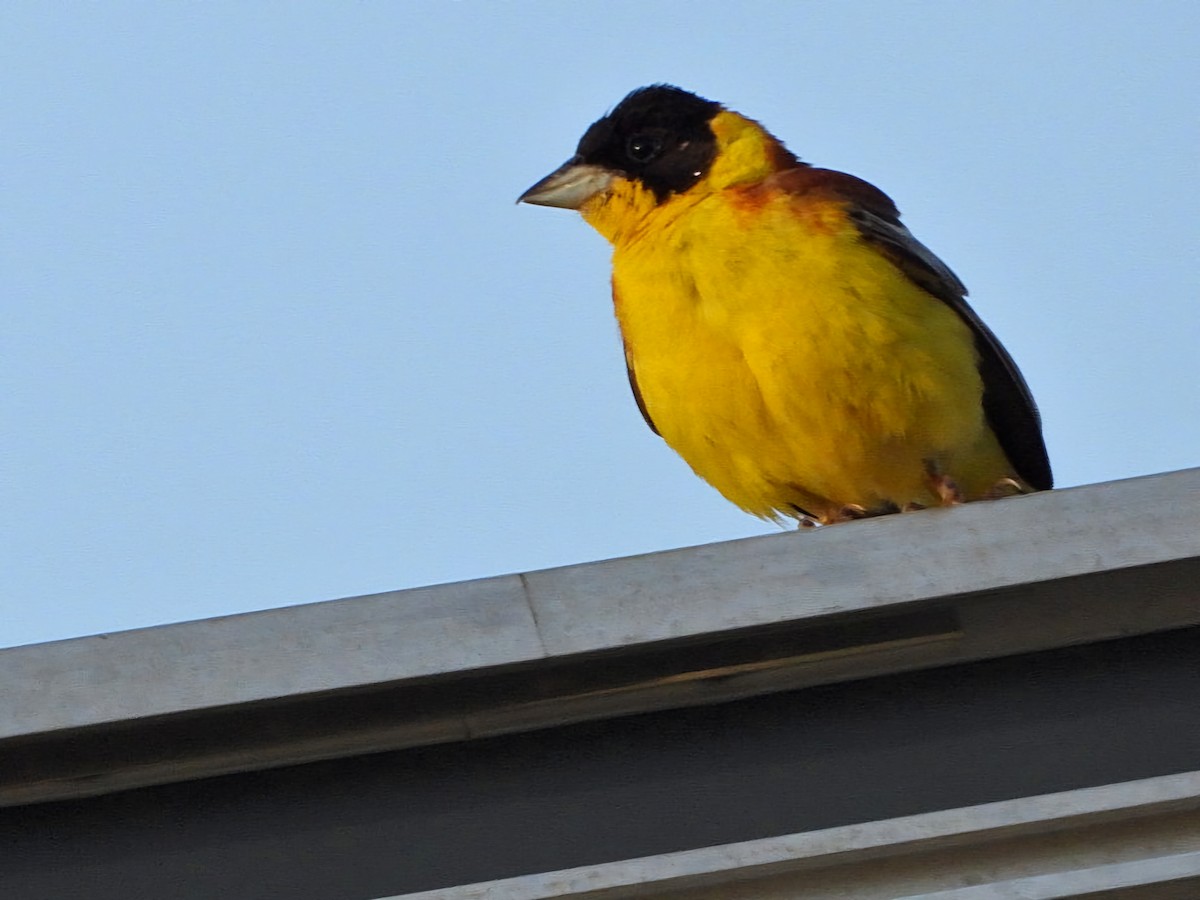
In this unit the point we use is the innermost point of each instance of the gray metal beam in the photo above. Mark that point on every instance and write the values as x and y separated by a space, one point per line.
1135 835
827 757
695 626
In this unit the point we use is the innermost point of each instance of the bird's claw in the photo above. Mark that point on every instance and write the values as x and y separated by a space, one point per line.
1005 487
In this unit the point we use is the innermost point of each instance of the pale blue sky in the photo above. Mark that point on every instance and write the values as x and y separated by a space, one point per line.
275 332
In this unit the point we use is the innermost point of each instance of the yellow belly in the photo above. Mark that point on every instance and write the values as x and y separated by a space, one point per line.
792 366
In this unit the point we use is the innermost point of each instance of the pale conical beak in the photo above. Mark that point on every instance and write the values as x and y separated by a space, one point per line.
569 186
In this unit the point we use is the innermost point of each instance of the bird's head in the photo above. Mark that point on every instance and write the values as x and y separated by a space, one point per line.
659 144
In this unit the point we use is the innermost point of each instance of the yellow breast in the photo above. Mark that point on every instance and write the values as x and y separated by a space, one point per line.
789 363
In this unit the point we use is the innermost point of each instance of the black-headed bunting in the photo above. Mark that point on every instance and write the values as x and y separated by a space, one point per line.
784 332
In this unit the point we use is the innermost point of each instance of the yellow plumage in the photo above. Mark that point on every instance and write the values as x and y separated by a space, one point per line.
790 362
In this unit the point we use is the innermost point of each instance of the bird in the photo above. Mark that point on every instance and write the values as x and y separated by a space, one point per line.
783 331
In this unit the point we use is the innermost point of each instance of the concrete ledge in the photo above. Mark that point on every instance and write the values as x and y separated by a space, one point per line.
686 627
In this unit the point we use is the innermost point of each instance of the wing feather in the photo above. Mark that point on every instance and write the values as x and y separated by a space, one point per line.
1007 401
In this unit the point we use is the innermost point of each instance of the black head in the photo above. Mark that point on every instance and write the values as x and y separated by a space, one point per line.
658 135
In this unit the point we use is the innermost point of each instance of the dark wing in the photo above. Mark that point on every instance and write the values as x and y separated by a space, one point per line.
629 370
1007 402
637 392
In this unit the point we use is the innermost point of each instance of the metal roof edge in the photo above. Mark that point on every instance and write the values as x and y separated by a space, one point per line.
683 627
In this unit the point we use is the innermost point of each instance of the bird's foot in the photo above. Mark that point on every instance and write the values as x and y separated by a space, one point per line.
947 490
944 487
852 512
847 513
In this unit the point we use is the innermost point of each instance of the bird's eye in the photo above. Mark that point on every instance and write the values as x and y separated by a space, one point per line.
643 147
